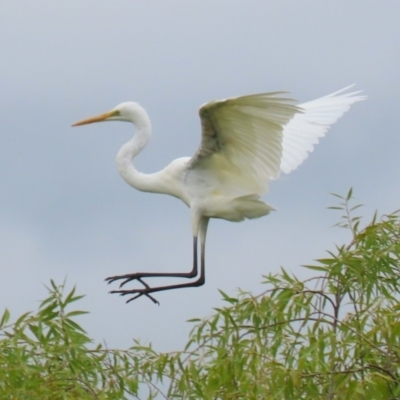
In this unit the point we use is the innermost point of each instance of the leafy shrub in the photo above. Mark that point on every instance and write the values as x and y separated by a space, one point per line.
333 336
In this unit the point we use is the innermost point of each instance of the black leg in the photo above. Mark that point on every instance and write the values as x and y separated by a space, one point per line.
138 275
146 290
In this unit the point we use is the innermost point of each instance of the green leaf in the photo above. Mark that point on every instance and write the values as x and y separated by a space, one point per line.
349 194
316 268
227 298
74 313
5 318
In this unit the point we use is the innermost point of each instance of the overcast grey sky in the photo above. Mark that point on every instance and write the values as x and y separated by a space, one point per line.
64 210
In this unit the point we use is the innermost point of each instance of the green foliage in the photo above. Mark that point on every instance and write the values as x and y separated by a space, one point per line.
47 356
333 336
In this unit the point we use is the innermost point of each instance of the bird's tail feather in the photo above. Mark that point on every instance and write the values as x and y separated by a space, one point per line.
251 206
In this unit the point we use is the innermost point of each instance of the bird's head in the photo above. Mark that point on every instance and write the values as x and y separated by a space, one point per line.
128 111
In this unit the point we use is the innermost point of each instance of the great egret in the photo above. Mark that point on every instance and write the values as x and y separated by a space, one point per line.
246 142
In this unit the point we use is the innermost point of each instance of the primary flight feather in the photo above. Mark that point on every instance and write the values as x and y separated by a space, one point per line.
246 142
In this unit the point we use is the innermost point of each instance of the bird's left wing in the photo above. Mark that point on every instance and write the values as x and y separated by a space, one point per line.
241 142
305 129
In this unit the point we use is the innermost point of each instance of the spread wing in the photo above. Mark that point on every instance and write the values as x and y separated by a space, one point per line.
241 144
304 130
247 141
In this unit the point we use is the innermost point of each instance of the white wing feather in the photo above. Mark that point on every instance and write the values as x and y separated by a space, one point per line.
304 130
247 141
241 145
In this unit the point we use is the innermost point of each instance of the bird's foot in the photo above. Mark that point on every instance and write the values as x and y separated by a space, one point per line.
138 292
146 290
127 278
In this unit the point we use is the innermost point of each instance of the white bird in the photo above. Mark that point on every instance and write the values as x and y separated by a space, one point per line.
246 142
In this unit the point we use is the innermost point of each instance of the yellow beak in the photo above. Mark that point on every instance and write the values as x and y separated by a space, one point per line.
97 118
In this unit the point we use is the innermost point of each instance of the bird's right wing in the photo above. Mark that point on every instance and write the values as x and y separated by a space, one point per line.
241 144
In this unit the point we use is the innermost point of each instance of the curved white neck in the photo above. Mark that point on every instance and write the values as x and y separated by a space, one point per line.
132 148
